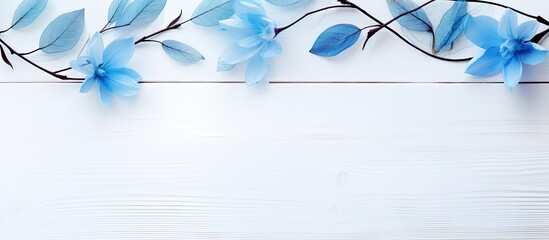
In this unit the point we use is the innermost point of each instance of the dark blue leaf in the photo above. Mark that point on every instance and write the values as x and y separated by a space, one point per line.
181 52
116 9
451 25
286 2
210 12
335 40
27 12
141 12
416 21
63 33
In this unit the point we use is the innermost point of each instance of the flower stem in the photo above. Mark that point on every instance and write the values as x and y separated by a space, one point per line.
540 36
24 58
540 19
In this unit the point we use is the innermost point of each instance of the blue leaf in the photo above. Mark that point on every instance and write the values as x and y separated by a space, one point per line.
116 9
451 25
63 33
335 40
141 12
210 12
416 21
287 2
181 52
27 12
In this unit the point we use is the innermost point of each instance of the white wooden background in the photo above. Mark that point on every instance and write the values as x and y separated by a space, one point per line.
381 144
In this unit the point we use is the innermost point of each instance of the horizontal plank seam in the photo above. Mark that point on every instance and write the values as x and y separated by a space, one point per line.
277 82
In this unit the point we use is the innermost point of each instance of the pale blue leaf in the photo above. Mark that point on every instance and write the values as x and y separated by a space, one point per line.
27 12
335 40
287 2
451 25
181 52
116 9
210 12
141 12
63 33
416 21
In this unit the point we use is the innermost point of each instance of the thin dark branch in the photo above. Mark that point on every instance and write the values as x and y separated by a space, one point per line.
173 25
281 29
31 52
538 18
63 70
113 27
24 58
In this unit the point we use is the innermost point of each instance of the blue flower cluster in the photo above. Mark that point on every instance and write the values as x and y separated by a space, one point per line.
507 46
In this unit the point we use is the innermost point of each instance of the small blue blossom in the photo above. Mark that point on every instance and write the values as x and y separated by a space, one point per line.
507 46
105 67
254 35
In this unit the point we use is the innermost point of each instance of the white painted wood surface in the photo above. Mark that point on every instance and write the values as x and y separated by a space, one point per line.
219 161
421 160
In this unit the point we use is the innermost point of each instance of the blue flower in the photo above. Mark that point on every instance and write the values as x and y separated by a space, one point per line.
106 68
254 35
507 46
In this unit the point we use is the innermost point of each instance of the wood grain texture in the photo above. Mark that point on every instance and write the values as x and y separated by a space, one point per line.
377 63
313 161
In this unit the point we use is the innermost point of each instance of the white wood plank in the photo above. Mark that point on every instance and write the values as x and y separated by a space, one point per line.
315 161
385 58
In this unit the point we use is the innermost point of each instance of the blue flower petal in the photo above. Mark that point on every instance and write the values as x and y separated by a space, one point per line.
88 84
105 94
118 53
258 22
248 42
534 54
130 73
95 48
236 29
512 72
482 31
84 65
120 83
257 70
271 49
232 23
245 8
487 64
527 30
224 67
508 24
235 54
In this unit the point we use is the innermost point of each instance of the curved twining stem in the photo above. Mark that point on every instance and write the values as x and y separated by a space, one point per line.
281 29
538 38
372 32
349 4
363 11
